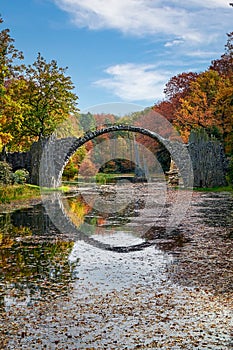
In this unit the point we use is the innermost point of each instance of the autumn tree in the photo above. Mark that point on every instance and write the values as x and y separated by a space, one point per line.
87 168
9 69
72 168
47 92
166 109
207 105
224 98
224 65
195 100
175 89
179 85
223 113
104 119
34 100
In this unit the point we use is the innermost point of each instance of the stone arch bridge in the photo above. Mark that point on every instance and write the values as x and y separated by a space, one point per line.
56 153
202 161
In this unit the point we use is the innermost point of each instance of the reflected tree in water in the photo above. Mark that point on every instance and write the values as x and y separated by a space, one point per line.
32 267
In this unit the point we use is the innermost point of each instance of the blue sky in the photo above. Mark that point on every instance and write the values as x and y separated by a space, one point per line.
120 50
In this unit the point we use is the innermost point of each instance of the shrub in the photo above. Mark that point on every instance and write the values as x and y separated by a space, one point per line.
70 171
20 176
5 173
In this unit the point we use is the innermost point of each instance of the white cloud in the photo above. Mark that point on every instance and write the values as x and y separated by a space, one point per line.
137 17
204 54
192 32
177 18
135 82
174 43
201 3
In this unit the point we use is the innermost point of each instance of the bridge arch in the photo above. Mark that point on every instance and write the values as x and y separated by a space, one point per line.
57 152
55 156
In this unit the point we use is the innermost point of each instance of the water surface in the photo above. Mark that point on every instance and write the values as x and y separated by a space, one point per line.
167 292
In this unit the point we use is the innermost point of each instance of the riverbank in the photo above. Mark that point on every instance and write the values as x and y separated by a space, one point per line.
15 197
215 189
16 194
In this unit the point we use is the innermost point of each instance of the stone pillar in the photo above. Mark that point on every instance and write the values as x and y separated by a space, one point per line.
173 174
36 153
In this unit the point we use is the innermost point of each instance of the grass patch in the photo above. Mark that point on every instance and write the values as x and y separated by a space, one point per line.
22 192
99 178
214 189
18 192
103 179
51 189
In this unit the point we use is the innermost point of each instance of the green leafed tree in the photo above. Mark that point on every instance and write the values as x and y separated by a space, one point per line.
49 97
9 55
10 68
87 121
34 100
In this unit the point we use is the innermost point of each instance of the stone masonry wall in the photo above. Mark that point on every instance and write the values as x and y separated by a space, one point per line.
202 163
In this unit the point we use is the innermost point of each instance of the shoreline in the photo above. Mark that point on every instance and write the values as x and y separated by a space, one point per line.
34 196
18 204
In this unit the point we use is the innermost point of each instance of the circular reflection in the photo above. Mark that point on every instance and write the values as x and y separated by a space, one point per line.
117 198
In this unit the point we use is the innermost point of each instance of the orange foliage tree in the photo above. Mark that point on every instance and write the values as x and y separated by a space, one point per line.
203 100
208 105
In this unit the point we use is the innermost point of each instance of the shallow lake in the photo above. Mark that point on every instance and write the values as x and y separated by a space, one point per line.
101 268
